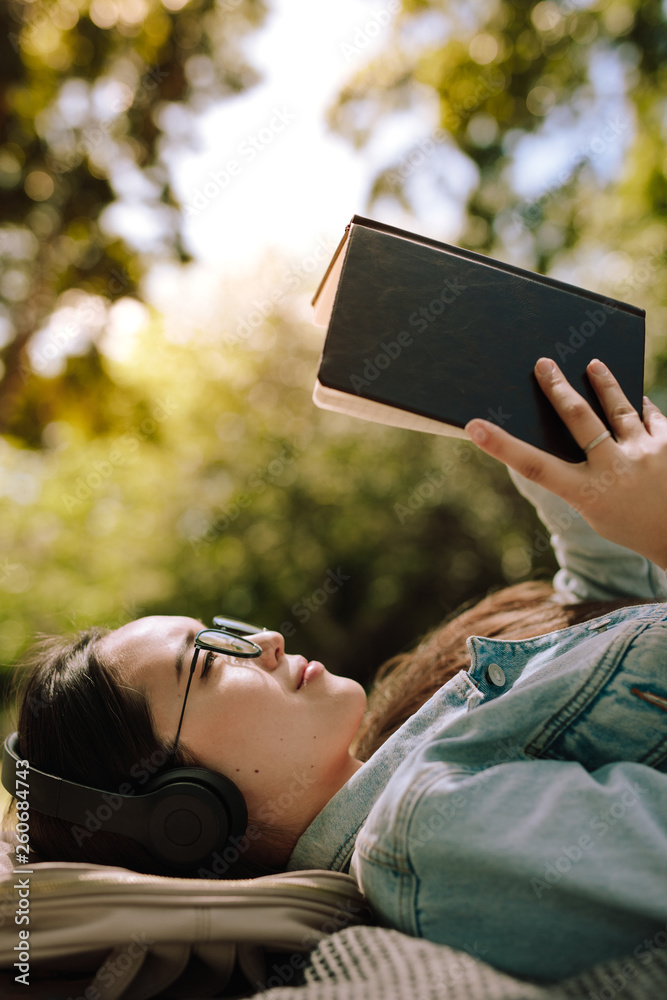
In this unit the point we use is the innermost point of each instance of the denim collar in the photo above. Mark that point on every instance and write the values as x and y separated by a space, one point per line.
330 839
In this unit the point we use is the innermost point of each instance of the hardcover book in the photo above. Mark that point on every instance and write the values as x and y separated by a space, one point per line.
424 335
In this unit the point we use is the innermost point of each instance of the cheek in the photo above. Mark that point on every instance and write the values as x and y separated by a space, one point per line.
253 732
239 729
331 716
166 711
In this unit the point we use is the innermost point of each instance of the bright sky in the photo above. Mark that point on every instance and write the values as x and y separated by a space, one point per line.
269 176
291 181
266 174
269 173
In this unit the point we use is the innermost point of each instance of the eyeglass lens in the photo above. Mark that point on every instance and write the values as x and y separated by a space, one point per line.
225 642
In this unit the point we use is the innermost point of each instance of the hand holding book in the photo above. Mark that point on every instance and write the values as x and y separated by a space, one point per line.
621 487
425 335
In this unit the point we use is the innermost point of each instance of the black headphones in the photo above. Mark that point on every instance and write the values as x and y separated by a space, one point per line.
182 817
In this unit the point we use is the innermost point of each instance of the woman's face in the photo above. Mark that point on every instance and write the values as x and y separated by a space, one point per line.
281 737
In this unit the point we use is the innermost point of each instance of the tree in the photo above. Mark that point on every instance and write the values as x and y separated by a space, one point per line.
95 94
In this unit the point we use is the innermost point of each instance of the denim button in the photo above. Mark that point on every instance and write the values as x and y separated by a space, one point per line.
599 626
496 674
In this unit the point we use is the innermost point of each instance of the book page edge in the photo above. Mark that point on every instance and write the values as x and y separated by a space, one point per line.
380 413
323 299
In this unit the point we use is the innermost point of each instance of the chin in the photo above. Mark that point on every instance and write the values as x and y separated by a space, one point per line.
357 697
349 685
347 692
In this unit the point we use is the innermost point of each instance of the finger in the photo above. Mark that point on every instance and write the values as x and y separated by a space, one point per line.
621 414
530 462
575 412
654 419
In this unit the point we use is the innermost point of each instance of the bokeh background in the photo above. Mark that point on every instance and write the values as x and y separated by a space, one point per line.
174 175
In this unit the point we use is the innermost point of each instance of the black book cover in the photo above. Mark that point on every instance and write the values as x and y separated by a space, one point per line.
450 334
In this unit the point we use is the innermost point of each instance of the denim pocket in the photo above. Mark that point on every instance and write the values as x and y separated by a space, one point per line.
619 713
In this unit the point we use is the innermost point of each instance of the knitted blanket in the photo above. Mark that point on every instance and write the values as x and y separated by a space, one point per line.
371 963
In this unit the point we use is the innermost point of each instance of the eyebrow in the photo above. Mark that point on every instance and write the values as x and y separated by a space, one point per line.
183 650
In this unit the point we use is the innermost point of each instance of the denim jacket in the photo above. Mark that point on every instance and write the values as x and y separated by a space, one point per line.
521 813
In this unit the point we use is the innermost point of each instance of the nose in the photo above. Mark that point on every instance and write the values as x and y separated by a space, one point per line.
273 647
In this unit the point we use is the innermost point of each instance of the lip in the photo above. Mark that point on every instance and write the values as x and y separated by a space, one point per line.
311 670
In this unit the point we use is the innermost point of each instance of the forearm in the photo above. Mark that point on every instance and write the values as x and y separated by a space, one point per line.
591 568
548 868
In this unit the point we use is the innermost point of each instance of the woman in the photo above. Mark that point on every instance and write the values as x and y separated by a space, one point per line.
516 809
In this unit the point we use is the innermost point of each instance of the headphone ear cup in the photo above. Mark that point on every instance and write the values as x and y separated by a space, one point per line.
193 812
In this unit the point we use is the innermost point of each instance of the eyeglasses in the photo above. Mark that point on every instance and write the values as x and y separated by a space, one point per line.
228 636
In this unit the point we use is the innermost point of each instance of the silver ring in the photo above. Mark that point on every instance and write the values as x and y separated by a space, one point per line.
596 441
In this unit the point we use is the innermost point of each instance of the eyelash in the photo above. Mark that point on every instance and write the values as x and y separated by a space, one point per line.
208 663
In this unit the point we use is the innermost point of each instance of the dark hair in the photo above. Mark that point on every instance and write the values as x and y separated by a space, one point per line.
78 720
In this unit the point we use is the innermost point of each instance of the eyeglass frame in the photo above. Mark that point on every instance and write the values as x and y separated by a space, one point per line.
224 626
